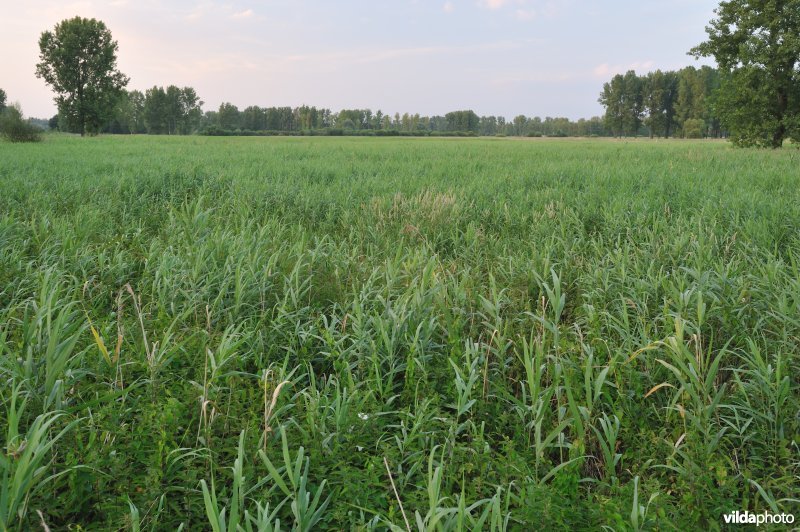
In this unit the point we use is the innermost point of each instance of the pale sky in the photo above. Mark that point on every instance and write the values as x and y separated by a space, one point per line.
497 57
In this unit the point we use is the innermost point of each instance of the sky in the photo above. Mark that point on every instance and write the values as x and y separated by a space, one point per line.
496 57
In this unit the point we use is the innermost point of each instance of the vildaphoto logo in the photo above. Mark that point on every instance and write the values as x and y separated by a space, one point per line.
766 518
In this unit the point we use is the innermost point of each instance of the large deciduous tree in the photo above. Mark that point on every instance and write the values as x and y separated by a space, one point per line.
623 98
2 100
229 116
462 121
757 46
79 60
129 114
172 111
660 92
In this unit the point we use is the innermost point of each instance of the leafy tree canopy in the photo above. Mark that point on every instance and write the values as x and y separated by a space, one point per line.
757 46
79 60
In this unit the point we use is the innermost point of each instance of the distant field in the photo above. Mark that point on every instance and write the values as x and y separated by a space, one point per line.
534 334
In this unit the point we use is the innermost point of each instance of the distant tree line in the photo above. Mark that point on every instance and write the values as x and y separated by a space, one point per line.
658 104
178 111
286 120
663 104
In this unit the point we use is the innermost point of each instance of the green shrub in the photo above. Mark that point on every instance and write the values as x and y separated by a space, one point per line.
14 128
693 128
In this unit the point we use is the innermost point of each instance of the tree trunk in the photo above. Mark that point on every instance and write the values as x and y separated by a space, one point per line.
780 131
778 135
81 115
81 119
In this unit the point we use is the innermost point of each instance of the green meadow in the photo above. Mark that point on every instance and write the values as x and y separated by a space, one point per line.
389 333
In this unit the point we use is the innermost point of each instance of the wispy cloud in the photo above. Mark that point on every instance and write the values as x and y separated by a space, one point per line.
199 11
602 70
493 4
247 13
448 7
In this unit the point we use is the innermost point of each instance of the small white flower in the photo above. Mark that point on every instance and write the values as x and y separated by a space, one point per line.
362 416
359 448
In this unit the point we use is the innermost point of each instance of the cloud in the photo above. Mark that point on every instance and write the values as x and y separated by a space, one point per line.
199 11
247 13
448 7
605 70
493 4
601 71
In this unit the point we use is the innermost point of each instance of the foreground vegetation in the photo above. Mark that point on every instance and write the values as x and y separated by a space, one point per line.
328 333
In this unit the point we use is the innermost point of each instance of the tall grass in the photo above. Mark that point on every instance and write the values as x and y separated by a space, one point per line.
255 334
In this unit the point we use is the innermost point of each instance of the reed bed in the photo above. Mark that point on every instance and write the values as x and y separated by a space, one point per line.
432 334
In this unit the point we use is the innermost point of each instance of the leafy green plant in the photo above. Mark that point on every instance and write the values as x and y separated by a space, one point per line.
292 479
23 469
607 436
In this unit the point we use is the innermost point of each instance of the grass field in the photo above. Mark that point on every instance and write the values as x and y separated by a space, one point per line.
500 334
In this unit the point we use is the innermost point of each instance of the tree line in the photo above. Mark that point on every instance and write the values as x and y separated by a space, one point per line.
659 104
178 111
174 110
663 104
254 119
